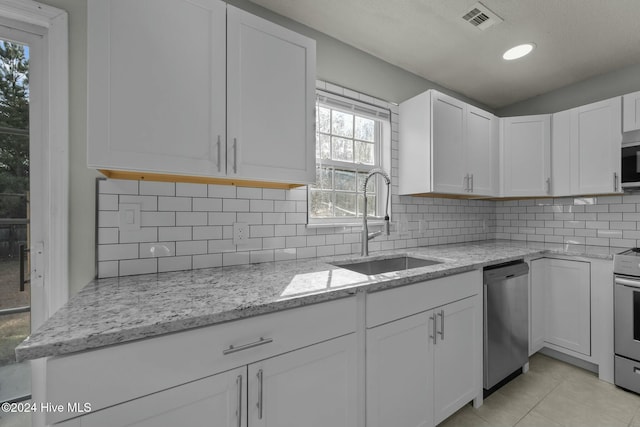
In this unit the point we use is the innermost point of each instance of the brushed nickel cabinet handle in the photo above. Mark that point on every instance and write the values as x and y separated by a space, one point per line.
434 330
219 143
261 341
239 411
615 181
259 405
441 314
235 155
548 185
471 186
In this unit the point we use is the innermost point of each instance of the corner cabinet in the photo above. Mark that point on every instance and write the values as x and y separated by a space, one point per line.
423 366
235 105
587 149
526 156
446 147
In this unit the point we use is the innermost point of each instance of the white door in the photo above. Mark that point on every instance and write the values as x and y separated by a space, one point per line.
631 112
481 152
448 134
219 400
400 373
270 101
457 356
156 86
567 302
595 147
313 387
526 148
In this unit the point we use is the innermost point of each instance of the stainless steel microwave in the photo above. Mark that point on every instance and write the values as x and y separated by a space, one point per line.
631 165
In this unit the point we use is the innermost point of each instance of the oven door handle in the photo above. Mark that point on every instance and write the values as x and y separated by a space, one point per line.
627 282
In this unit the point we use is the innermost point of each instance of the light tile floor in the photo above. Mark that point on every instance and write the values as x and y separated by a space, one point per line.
553 394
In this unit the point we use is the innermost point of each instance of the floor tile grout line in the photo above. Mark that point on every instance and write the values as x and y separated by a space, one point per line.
540 401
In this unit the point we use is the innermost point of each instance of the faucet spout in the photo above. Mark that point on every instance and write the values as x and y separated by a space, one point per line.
366 236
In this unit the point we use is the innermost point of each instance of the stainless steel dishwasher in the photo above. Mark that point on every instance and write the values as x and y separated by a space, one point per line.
506 321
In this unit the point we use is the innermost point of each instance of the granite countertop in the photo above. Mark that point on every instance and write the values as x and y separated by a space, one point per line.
112 311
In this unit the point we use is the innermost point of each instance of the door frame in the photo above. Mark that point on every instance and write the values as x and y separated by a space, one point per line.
53 147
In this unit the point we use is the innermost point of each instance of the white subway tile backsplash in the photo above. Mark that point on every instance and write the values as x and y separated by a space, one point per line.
108 202
174 204
222 191
145 234
235 258
108 219
262 256
248 193
191 218
175 263
157 249
261 231
117 252
107 235
191 190
138 266
274 243
117 186
150 188
222 218
284 206
273 194
249 218
157 219
147 203
174 233
207 261
207 233
224 245
261 205
195 247
108 269
207 205
235 205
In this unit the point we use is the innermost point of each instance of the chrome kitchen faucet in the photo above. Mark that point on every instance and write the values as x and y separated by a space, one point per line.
366 236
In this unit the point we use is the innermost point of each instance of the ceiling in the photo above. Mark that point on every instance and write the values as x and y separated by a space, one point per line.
576 39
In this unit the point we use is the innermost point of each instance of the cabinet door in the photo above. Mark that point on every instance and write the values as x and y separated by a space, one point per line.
217 400
270 101
526 149
567 303
631 112
481 152
448 133
595 147
312 387
400 373
156 91
457 356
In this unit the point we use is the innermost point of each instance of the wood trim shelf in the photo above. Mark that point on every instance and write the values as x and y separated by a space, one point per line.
146 176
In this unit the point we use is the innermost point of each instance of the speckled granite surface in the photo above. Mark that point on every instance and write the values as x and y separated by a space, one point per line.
111 311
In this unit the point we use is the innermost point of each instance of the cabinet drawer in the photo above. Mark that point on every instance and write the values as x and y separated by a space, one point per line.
385 306
119 373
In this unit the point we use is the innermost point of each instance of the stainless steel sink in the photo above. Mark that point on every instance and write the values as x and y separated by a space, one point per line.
386 265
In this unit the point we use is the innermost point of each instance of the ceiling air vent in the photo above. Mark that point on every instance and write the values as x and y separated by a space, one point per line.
481 17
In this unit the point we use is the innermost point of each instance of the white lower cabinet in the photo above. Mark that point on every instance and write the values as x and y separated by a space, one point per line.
564 289
314 386
423 368
216 400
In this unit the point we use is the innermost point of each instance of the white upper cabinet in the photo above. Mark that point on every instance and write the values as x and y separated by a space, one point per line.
586 149
482 152
219 93
631 112
526 150
270 100
446 147
156 92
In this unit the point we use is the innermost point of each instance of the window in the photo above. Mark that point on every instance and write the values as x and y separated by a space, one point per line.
349 143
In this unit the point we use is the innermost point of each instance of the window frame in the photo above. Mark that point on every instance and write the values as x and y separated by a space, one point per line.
382 153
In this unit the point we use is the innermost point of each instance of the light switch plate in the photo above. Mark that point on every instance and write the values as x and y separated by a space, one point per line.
129 217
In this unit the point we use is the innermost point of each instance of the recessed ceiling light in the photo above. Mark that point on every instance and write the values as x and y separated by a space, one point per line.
518 51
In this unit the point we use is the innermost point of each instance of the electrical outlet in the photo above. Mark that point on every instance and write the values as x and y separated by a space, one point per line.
240 232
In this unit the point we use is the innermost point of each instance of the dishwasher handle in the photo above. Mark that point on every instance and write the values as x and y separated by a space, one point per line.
506 272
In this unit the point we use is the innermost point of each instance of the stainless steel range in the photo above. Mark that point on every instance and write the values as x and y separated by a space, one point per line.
626 269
